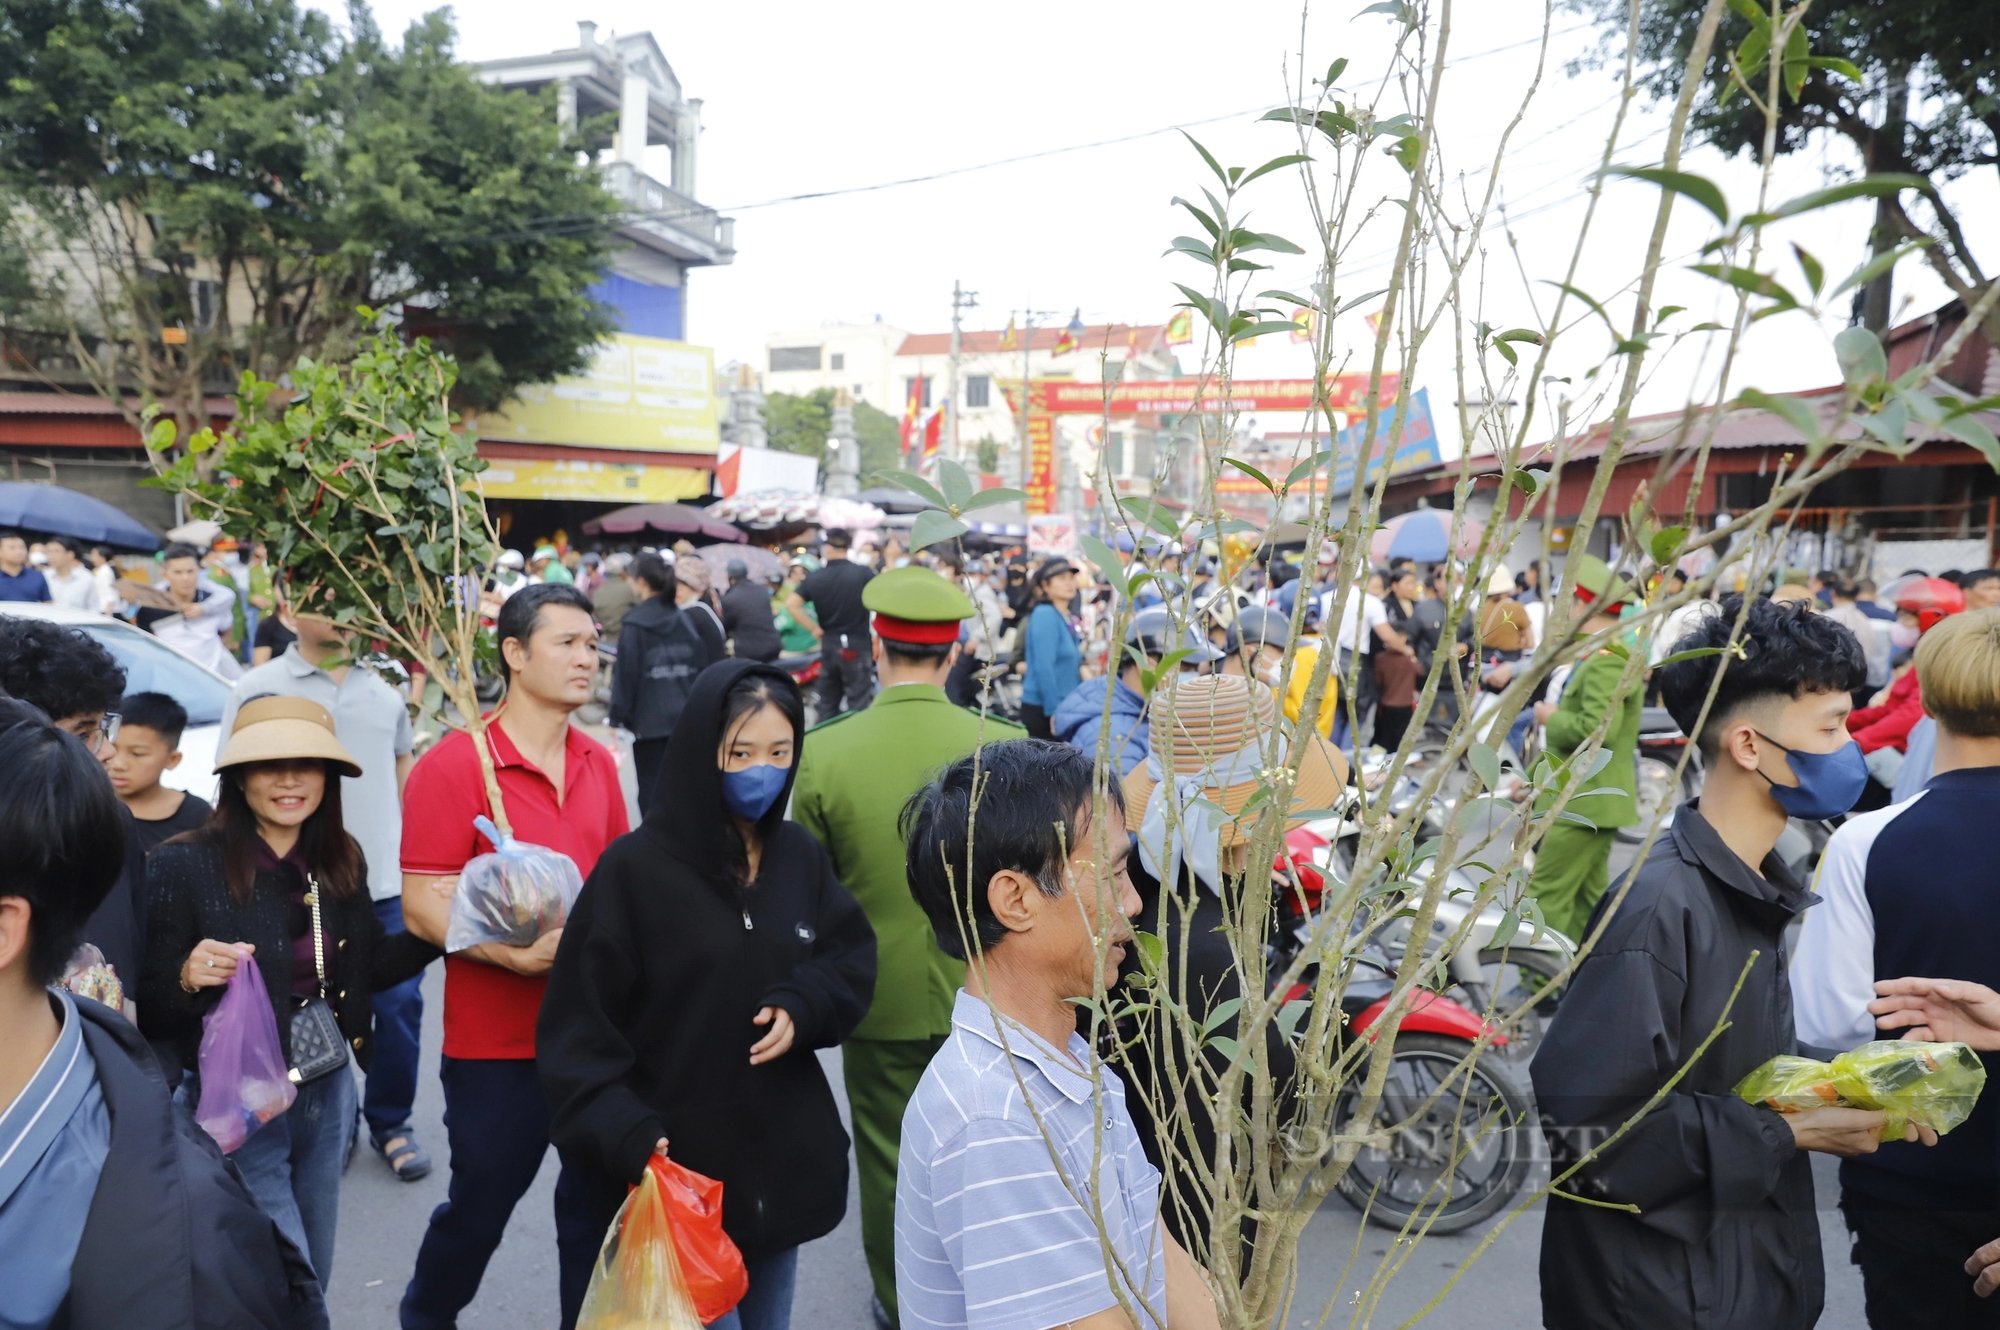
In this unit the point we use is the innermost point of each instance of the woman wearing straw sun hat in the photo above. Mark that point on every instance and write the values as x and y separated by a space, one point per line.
1226 731
274 878
1204 764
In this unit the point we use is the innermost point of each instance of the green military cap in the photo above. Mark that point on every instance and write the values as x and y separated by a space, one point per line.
917 606
1593 583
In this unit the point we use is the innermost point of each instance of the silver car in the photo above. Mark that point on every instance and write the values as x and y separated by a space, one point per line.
151 666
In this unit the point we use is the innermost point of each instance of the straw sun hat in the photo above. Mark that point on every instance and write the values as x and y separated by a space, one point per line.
1214 717
284 729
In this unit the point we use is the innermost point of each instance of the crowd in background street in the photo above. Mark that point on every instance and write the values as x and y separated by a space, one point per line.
797 882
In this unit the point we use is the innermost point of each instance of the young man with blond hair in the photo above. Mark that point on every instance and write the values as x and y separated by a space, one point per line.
1914 889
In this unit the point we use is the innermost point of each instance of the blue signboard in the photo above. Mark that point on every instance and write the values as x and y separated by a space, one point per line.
1404 440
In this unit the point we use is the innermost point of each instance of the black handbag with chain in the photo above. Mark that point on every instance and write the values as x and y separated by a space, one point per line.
316 1043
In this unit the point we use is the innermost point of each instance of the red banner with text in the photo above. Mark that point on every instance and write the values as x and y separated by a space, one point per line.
1345 393
1041 463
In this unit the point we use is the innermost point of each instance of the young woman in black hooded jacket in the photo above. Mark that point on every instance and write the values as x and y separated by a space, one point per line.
711 952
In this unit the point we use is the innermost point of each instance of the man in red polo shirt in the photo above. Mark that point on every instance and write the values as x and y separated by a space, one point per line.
561 790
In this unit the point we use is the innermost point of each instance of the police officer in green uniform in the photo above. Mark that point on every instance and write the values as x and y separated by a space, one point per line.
855 773
1573 863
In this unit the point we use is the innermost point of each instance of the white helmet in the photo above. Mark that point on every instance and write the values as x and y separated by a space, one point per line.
512 559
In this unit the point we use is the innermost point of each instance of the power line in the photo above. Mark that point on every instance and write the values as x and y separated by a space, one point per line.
576 224
580 224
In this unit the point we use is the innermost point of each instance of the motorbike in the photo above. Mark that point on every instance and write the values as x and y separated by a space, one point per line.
1499 965
1659 790
805 673
1000 691
1460 1137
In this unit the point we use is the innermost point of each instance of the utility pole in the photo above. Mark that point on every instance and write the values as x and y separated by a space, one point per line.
961 300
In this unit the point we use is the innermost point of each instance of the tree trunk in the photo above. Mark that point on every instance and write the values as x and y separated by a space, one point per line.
1885 153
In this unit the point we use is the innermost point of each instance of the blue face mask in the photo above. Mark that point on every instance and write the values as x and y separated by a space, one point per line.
749 793
1829 783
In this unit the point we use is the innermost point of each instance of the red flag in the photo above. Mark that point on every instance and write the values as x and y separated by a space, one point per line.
1072 336
933 434
910 410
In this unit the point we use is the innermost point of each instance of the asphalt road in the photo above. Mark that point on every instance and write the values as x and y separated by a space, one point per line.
382 1220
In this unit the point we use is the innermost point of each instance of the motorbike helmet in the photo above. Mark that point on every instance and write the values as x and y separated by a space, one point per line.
1931 600
1259 625
512 559
1153 633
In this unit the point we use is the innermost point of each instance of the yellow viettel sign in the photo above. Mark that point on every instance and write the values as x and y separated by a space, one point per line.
603 482
638 392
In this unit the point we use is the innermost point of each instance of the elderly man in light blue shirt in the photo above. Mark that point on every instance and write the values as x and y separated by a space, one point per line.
1024 1199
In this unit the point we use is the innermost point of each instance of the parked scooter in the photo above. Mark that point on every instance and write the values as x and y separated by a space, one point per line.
1460 1135
1500 965
1659 789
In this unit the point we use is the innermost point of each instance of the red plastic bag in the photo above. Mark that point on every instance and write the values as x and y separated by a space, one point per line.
666 1262
244 1083
710 1262
637 1282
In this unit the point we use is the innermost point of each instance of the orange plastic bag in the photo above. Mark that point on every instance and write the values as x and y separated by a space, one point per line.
637 1284
666 1264
711 1266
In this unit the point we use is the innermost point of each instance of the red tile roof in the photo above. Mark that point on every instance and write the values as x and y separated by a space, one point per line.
82 404
1739 427
1114 337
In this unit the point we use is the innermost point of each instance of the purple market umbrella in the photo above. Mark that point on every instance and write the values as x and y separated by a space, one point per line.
669 519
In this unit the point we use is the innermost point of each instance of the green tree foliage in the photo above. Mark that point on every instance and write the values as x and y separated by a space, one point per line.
241 172
1927 103
801 424
357 477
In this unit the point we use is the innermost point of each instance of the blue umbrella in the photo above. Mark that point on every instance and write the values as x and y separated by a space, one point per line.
1425 536
51 510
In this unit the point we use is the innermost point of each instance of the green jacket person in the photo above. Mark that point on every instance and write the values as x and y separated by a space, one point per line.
855 773
1573 864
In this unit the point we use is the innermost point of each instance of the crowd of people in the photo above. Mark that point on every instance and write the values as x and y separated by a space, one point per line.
937 890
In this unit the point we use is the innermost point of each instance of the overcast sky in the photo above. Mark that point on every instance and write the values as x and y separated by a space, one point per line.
805 96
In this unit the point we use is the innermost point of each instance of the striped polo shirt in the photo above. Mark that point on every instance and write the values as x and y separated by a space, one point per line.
1011 1154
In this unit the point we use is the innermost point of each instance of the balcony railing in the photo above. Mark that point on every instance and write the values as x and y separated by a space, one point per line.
662 209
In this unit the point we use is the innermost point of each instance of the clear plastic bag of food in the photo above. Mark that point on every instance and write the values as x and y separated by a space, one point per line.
513 895
1932 1085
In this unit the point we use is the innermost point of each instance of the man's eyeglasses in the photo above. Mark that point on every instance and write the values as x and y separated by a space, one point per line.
97 735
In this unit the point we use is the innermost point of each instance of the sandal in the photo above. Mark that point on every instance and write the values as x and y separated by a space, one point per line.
406 1160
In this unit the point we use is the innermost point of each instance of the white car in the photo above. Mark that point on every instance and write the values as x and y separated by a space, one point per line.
151 666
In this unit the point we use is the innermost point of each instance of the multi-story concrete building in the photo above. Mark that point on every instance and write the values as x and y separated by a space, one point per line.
640 425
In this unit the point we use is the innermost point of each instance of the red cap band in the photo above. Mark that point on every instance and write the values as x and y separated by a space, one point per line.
891 629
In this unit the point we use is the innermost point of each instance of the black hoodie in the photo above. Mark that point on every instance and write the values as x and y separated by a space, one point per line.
646 1029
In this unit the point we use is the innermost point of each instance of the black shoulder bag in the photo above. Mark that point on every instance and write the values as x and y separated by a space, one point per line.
317 1047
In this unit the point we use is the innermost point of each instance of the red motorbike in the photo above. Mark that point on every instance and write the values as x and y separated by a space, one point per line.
1460 1135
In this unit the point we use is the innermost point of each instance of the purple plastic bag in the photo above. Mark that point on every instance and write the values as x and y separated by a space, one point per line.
244 1082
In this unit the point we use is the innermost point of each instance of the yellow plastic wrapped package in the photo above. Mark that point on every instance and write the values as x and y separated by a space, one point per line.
637 1284
1932 1085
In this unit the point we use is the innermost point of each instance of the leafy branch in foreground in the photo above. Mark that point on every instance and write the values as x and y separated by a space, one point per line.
368 497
